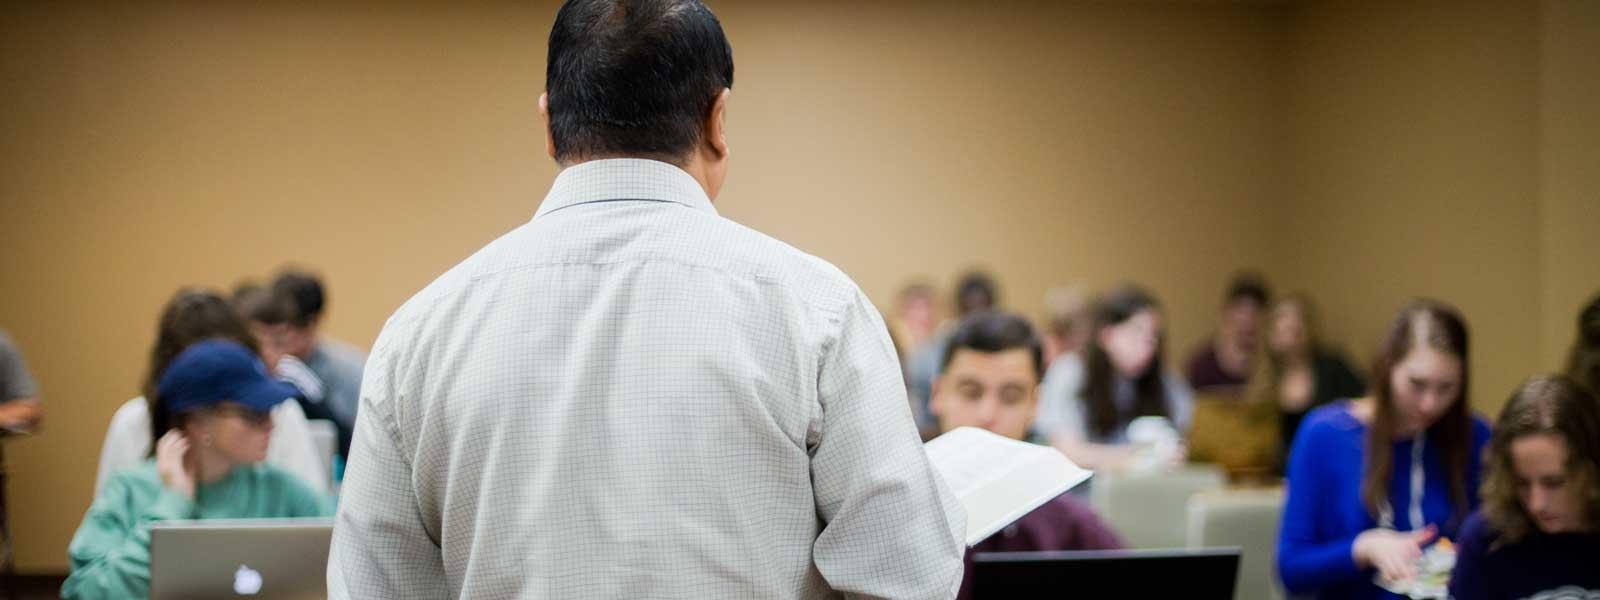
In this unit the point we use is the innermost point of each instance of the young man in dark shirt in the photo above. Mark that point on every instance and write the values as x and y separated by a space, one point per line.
990 379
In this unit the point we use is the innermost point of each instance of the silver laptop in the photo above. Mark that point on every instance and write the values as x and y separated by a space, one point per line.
272 559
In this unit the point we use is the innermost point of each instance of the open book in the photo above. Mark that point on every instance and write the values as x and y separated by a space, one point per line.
998 479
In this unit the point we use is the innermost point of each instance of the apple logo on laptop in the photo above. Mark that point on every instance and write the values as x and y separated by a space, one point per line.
246 581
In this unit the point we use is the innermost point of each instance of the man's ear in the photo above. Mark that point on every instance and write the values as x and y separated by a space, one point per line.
715 130
544 116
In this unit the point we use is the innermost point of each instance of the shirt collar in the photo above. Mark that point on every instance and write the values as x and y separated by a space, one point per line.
624 179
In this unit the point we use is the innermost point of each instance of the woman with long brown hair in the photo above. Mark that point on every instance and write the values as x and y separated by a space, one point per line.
1538 533
1298 372
1373 480
1089 397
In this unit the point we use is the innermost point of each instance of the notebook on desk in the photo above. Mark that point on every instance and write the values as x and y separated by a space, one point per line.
275 559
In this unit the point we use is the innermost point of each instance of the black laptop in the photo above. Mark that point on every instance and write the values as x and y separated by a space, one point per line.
1205 574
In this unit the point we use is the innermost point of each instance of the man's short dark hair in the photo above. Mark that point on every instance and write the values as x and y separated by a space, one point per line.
990 332
976 291
633 77
1247 286
304 290
262 305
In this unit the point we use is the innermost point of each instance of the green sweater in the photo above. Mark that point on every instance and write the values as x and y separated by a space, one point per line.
111 551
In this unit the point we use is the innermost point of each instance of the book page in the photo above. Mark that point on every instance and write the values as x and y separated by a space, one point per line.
997 479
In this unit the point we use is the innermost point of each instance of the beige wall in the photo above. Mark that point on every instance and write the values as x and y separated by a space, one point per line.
1170 143
146 148
1413 171
1569 182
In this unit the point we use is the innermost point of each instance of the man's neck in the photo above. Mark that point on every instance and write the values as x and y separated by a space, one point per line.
693 165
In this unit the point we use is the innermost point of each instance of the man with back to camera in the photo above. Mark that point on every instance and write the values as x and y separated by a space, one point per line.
631 396
990 379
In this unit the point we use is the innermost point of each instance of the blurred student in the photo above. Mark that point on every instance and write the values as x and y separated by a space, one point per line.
1583 362
20 413
192 316
990 379
1090 397
1224 362
1538 532
976 291
1372 481
1298 372
268 313
19 394
1069 309
336 363
916 316
216 414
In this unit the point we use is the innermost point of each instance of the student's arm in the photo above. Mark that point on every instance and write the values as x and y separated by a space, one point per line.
110 553
891 527
1061 419
1307 560
1092 456
299 499
381 546
19 394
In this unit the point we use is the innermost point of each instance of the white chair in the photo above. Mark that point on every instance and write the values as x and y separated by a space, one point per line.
1247 519
291 447
1150 510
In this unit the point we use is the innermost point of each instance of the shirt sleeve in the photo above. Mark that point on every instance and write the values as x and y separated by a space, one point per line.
1180 401
15 380
381 548
110 553
1308 560
1060 410
1089 530
127 441
292 448
892 529
1467 579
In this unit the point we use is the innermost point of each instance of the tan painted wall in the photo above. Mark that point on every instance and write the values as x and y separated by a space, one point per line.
1414 171
1569 151
1366 152
143 148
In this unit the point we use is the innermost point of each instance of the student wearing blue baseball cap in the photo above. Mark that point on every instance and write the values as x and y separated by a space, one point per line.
218 395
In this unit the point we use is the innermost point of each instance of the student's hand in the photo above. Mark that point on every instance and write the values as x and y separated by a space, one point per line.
172 453
1180 457
21 415
1393 553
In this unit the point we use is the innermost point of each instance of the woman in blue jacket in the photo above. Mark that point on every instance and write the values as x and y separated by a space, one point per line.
1372 481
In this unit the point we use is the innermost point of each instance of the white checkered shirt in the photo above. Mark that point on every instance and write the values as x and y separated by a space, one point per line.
633 397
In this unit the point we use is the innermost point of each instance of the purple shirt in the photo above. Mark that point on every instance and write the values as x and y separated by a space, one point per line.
1205 372
1065 523
1544 566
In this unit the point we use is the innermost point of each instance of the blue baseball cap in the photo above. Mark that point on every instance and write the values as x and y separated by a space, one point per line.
215 371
